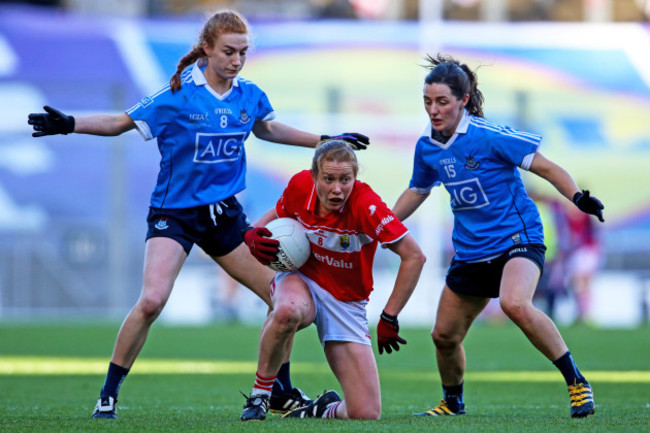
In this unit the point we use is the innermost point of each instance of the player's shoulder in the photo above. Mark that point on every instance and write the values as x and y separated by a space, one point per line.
363 194
480 126
301 181
248 87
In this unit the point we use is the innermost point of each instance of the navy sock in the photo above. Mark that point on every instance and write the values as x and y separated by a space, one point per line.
569 370
114 379
453 396
282 384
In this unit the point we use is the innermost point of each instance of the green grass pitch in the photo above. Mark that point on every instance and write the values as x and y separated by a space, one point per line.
188 379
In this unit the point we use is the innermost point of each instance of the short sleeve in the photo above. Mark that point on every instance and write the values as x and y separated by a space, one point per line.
515 147
376 219
424 177
284 207
152 113
265 111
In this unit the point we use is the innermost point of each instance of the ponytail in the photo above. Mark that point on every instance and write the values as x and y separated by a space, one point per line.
191 57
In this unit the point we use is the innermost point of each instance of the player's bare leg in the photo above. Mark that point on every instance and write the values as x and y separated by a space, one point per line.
293 309
163 260
355 367
517 288
518 285
455 315
243 267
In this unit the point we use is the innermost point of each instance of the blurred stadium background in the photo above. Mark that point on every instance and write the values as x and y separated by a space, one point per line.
73 208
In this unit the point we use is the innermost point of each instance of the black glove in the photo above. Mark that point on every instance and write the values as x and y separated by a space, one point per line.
354 139
263 248
387 330
50 123
589 204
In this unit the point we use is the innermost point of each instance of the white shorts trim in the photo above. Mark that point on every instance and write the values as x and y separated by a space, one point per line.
335 320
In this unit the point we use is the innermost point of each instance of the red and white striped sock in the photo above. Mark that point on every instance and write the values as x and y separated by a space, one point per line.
263 385
330 412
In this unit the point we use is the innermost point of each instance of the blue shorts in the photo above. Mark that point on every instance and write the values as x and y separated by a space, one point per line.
483 279
216 228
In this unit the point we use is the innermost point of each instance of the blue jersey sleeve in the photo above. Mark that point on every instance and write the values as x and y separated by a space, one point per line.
262 106
152 113
264 109
424 176
514 147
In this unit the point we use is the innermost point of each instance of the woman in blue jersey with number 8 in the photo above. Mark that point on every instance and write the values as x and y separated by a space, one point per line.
498 236
200 121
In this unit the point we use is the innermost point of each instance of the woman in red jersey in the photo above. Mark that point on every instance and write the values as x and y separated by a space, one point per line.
344 219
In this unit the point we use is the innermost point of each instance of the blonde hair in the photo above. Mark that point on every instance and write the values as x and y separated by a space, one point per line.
220 23
336 151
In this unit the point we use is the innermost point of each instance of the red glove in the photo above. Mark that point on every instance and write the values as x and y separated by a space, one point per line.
387 330
262 247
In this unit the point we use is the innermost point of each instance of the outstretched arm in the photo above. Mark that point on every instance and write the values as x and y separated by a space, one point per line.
556 175
54 122
278 132
565 184
104 124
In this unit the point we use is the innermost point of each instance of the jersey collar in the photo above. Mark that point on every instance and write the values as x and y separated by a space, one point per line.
200 80
460 129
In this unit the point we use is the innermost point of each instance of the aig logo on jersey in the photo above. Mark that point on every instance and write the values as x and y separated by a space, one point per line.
214 148
466 194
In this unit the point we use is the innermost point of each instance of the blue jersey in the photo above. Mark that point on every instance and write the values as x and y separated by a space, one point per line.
200 136
478 167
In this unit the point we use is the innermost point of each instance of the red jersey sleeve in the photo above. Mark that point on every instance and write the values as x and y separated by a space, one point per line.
293 194
376 219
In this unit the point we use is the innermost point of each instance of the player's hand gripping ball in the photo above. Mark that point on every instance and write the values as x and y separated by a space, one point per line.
294 248
262 247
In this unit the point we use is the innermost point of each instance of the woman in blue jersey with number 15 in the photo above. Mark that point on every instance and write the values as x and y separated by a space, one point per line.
498 236
200 121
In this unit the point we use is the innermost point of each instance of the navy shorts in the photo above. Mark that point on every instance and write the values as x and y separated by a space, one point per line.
484 278
216 228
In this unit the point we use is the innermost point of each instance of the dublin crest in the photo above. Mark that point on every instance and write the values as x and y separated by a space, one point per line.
471 163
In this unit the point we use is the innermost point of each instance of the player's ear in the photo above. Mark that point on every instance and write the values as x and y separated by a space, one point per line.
465 99
207 49
314 176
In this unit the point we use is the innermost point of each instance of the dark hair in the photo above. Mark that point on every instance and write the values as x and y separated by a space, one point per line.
334 150
222 22
460 79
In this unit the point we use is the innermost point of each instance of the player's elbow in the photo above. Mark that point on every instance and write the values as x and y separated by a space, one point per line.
414 255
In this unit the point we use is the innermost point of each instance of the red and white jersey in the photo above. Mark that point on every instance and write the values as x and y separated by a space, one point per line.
343 243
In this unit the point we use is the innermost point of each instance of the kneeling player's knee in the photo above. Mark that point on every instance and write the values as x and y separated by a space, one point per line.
365 412
286 318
